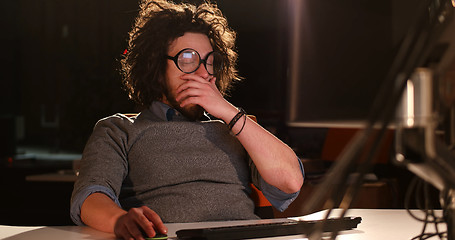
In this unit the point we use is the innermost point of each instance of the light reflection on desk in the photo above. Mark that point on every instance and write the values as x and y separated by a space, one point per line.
52 233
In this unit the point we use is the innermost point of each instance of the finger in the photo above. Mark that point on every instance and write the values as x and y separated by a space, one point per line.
213 80
193 84
191 92
121 230
146 226
188 85
134 231
196 96
194 90
123 233
156 220
194 77
191 101
127 236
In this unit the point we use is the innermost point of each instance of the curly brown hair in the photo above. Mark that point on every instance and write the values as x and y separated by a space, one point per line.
159 23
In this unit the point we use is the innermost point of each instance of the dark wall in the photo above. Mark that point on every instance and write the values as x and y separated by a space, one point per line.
262 36
60 66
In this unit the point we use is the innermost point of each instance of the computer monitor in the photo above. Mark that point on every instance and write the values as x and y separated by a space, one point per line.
340 55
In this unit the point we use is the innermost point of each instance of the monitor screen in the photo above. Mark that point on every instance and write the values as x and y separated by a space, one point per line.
340 52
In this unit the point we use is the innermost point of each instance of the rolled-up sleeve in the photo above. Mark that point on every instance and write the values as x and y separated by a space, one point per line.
279 199
79 198
103 166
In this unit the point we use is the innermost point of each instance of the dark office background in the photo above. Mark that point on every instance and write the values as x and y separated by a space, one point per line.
60 60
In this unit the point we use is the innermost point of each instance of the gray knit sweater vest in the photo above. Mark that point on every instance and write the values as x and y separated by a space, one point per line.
185 171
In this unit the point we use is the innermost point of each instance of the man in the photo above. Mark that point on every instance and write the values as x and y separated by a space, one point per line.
166 164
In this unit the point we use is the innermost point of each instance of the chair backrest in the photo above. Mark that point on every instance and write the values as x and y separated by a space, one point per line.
338 138
130 115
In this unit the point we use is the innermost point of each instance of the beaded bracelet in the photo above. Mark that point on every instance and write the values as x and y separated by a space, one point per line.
236 118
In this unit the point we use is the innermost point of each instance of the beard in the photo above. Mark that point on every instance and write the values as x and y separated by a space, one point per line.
193 112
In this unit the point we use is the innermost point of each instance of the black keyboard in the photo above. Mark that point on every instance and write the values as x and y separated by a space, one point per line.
273 229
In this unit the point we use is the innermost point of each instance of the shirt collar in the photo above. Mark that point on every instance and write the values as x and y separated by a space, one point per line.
167 113
163 111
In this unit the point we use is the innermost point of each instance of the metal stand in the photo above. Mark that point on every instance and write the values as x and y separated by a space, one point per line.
419 149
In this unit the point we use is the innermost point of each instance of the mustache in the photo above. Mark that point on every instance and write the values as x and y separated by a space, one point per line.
193 113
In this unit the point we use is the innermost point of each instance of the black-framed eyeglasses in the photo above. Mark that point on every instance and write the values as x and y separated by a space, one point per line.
188 61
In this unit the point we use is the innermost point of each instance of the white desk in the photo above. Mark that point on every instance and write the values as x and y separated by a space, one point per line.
375 225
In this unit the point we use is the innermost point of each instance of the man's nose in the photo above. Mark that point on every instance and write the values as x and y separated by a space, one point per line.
202 72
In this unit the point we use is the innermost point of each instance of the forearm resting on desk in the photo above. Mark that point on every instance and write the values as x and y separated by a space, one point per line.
100 212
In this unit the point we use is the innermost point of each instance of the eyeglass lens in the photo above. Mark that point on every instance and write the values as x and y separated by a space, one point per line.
189 61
